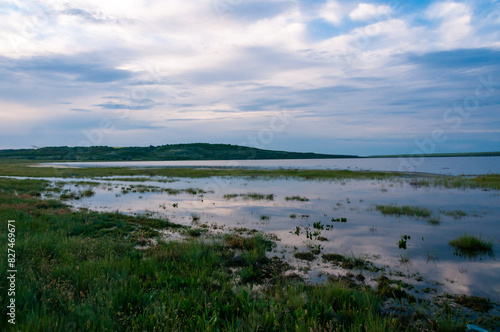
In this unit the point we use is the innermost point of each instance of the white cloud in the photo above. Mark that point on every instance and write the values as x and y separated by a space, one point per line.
455 22
230 68
332 12
368 12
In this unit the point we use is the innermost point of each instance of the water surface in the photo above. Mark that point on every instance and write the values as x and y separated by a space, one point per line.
366 233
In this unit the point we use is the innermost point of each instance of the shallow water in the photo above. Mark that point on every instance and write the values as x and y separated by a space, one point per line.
366 231
436 165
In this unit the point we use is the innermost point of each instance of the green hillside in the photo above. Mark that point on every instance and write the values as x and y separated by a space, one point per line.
195 151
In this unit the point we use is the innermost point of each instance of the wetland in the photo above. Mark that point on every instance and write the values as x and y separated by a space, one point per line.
242 248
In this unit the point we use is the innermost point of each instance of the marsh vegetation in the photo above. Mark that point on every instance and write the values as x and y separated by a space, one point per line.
470 245
196 274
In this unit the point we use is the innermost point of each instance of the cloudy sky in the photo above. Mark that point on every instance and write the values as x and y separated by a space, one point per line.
343 77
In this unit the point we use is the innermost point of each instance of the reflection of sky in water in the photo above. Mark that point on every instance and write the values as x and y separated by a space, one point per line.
366 232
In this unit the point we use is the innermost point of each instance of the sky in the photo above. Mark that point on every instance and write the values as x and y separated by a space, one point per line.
340 77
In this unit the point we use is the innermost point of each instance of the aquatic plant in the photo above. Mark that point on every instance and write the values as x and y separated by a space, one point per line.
468 245
305 255
297 198
434 221
251 196
456 214
403 240
318 225
405 210
316 250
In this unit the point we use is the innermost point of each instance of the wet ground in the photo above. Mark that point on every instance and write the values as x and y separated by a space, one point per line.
327 217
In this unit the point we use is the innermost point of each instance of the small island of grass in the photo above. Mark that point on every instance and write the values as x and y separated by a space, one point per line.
471 246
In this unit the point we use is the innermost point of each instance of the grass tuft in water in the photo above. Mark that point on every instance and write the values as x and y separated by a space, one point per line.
404 210
297 198
305 255
251 196
435 221
469 245
456 214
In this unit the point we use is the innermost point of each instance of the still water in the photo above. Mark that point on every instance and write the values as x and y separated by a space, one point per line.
436 165
365 232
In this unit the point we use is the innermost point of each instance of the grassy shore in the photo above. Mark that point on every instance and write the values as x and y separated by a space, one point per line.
25 169
92 271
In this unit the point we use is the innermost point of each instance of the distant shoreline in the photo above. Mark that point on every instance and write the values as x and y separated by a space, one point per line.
441 155
189 152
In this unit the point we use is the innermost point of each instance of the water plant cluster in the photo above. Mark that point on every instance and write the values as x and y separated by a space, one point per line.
251 196
154 189
468 245
69 194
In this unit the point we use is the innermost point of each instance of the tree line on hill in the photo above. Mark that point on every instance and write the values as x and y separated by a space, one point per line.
194 151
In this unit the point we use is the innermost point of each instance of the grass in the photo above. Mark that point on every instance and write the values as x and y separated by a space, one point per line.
479 304
297 198
456 214
405 210
305 255
22 168
251 196
350 262
472 246
435 221
195 232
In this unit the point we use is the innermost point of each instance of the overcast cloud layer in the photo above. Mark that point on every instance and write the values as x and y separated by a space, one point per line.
302 75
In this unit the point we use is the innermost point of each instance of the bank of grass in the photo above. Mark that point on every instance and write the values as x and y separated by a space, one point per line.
24 168
404 210
471 245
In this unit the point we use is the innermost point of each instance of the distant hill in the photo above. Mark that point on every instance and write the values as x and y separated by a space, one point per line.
195 151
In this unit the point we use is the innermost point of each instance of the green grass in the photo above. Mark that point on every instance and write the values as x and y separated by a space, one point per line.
456 214
435 221
306 255
479 304
471 246
22 168
405 210
350 262
297 198
251 196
